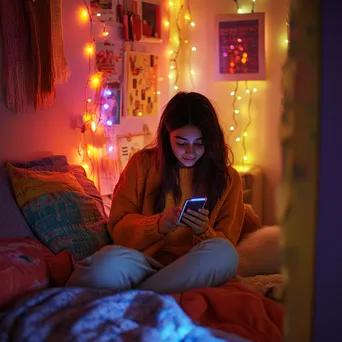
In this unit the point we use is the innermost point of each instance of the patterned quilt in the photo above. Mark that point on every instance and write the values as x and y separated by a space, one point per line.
79 314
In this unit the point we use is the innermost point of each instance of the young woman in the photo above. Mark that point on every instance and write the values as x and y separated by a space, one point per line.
151 251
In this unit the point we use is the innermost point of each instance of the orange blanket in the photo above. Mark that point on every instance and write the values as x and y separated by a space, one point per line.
235 309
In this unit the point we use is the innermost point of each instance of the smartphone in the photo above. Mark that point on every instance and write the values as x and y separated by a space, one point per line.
194 203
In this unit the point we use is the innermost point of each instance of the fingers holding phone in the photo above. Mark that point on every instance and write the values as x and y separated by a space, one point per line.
198 220
169 221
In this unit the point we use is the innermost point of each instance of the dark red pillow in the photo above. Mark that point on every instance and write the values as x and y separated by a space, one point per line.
26 266
22 268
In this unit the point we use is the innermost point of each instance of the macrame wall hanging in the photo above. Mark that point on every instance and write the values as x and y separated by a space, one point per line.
33 58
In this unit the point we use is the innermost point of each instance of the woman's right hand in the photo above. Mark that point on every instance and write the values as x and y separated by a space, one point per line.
168 222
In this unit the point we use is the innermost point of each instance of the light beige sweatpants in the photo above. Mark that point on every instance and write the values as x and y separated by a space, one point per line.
208 264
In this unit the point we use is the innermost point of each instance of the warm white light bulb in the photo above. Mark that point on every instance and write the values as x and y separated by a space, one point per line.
158 92
192 24
193 48
236 111
255 90
248 91
245 158
172 67
232 93
240 11
245 134
231 128
193 72
239 98
171 52
237 139
286 41
170 76
175 87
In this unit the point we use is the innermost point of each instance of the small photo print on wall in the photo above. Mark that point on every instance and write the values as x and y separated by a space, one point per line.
142 84
241 47
151 18
128 146
103 10
109 60
112 107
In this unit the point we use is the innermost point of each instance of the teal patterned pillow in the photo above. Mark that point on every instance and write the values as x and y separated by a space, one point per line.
67 220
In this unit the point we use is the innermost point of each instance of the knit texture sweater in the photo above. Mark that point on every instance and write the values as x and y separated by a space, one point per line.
133 224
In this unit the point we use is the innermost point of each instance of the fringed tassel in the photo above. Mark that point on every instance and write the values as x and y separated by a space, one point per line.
60 67
40 25
17 61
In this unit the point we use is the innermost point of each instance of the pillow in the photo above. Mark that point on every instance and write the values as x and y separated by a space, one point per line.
59 211
251 222
88 187
59 163
52 163
22 268
27 266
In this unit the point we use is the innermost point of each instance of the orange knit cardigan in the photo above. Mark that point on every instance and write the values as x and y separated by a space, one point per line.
132 223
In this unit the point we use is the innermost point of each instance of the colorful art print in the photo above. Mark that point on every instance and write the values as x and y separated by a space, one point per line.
111 113
103 10
109 60
142 84
128 146
241 47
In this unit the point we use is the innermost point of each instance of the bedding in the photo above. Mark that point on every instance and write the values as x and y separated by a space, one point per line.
75 314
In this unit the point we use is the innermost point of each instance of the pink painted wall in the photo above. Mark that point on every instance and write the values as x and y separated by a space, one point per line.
31 135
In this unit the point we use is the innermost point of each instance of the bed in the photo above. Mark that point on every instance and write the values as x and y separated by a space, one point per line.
45 310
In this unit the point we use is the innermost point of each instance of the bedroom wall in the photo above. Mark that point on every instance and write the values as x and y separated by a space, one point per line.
263 145
30 135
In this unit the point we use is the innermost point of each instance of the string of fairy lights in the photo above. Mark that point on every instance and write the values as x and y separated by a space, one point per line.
180 20
181 9
97 95
236 97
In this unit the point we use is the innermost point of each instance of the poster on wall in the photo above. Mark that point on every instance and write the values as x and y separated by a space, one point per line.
142 84
109 60
103 10
127 146
241 47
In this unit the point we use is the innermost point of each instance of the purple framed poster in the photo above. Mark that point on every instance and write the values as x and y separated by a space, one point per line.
240 47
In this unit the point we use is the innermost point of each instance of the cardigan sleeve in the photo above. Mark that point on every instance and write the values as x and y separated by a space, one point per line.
230 218
126 225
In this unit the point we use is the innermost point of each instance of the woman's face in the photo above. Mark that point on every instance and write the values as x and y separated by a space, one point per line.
187 145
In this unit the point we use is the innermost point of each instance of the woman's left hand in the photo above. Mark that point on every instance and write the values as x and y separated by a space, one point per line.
198 221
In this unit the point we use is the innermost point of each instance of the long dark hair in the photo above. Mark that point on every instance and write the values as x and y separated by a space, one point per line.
211 170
